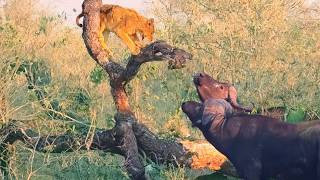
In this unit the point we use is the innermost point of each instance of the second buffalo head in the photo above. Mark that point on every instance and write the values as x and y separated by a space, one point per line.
209 88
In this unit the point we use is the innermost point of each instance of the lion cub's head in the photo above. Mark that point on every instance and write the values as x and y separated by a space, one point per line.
148 29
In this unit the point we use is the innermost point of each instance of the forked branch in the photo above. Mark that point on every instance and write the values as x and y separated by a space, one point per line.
128 137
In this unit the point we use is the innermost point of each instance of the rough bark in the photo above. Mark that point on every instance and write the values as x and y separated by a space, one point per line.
158 150
91 23
128 137
200 154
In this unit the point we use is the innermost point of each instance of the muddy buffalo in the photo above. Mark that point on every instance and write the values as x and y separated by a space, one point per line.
258 146
209 88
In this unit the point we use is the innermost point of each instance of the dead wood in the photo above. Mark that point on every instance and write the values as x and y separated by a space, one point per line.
128 137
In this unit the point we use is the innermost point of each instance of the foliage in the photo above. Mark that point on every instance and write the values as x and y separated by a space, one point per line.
268 49
296 116
97 75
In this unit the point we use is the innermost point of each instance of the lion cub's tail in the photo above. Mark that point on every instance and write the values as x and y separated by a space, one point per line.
106 8
78 18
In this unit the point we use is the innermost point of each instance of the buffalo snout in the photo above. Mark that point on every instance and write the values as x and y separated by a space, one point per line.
209 88
194 111
203 79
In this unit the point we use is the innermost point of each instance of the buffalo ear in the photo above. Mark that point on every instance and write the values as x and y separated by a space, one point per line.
233 100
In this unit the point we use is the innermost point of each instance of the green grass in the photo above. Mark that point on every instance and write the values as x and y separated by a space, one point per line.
79 165
267 49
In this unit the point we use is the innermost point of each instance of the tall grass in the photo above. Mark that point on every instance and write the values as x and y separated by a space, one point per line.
268 49
39 38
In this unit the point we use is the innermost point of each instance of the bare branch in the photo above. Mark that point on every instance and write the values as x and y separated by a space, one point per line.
91 28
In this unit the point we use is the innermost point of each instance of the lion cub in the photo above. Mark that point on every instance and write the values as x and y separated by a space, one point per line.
127 24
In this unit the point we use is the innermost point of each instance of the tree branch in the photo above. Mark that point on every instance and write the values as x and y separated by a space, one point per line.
128 136
120 76
91 28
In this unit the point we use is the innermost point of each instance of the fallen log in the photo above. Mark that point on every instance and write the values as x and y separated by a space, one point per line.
128 137
205 156
197 155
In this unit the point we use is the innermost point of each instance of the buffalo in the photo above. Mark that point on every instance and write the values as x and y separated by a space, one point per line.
258 146
209 88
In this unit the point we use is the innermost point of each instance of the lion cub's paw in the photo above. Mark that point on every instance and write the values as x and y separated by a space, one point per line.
136 51
139 45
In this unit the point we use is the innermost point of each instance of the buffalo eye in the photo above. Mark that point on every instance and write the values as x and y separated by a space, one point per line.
221 87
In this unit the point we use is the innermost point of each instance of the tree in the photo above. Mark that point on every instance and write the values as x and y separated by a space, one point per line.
128 137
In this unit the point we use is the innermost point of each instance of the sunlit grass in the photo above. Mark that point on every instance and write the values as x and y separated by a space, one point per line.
268 49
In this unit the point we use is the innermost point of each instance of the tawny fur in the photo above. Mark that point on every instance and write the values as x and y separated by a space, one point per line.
126 23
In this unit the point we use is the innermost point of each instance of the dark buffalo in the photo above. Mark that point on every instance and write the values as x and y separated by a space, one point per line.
258 146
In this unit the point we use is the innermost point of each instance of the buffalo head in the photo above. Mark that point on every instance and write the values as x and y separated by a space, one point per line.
209 88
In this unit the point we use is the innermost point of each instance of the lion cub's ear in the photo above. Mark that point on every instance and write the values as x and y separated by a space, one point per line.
151 22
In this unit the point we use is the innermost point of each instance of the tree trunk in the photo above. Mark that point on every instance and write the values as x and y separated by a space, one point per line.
128 137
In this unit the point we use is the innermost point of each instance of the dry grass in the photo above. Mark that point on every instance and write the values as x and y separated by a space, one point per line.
269 49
